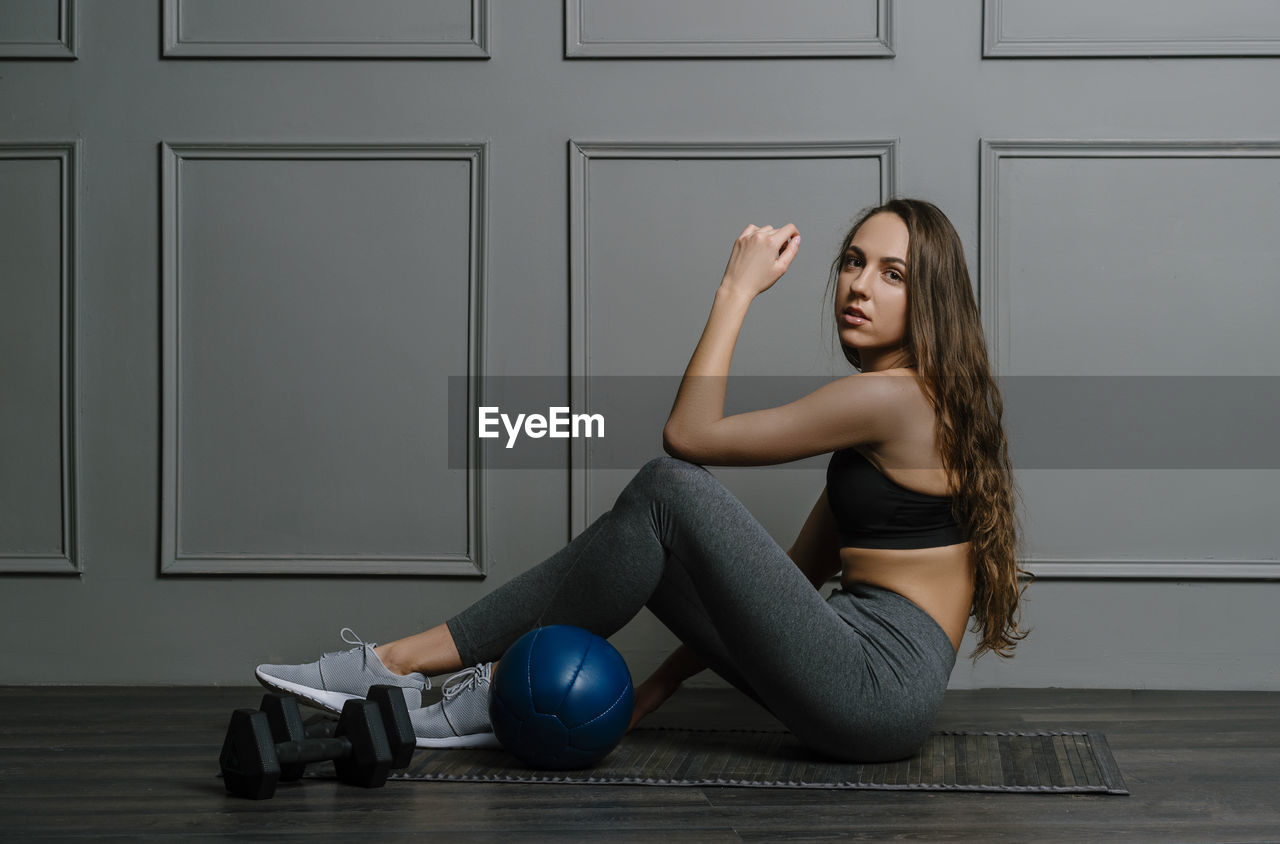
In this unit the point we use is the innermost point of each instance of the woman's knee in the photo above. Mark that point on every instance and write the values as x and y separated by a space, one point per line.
663 477
665 470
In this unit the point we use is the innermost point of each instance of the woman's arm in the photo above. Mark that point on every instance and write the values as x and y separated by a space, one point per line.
816 551
758 260
681 665
662 684
849 411
700 400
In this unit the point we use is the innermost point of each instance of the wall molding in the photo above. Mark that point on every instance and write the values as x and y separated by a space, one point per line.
990 285
1152 569
175 46
996 44
63 47
68 155
581 154
579 46
472 561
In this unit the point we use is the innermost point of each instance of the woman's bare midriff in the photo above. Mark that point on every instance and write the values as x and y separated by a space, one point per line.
938 580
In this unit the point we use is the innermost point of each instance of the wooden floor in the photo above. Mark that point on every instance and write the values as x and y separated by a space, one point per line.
141 763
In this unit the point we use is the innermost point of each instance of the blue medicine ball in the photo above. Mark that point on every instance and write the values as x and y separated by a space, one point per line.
560 698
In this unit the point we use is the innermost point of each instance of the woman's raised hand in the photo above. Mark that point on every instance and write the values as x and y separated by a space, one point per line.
760 257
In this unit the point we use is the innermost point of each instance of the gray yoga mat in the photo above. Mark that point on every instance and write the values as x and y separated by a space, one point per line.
1047 761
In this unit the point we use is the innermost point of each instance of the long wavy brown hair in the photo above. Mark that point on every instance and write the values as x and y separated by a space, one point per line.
945 341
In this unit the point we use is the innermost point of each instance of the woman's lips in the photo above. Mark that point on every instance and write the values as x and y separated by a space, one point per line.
854 319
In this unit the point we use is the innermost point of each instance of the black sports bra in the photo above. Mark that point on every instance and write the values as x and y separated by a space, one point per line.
873 511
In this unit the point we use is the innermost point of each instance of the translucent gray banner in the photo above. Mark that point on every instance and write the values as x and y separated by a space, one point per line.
1051 421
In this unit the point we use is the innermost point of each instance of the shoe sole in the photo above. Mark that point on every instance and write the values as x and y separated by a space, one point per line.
328 701
476 740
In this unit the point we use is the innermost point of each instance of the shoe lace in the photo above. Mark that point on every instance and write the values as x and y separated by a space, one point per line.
355 640
359 643
365 648
467 678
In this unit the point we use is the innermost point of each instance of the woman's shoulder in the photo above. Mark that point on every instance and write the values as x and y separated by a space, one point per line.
914 411
907 381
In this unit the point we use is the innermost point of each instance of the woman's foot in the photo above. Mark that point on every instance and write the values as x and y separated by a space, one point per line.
340 676
461 718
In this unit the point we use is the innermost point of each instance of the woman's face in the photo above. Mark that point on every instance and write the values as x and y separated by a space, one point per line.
873 279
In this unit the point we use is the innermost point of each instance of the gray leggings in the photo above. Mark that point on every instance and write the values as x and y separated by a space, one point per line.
858 676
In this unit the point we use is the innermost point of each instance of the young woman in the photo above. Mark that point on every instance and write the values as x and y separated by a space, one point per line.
917 517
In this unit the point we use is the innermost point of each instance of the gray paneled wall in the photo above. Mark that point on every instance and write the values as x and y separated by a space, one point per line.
244 247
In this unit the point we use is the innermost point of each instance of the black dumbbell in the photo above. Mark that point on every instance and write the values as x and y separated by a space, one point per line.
361 746
286 725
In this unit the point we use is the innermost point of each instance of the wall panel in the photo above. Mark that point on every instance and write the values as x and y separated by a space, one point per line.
647 259
38 477
311 293
1150 250
38 29
1027 28
722 28
326 29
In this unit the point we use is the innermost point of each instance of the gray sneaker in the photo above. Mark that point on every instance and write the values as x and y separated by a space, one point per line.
461 718
338 677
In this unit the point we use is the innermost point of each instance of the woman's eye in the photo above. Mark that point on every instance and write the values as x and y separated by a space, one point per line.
854 260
